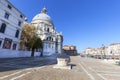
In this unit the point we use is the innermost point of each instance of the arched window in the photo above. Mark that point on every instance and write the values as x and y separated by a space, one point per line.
52 39
3 27
17 34
47 39
48 30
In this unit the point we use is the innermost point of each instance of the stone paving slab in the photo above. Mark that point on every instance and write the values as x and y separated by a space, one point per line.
22 63
49 73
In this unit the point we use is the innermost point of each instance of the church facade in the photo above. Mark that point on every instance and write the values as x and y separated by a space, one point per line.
52 40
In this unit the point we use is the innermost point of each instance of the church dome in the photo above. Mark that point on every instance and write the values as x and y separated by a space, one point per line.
42 16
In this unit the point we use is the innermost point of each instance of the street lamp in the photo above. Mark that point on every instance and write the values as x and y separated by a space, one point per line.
101 53
119 56
111 54
103 47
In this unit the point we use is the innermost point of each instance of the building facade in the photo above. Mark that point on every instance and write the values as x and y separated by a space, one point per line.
113 50
110 52
11 23
70 50
94 52
52 40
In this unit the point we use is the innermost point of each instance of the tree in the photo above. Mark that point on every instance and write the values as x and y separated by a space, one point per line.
36 45
29 39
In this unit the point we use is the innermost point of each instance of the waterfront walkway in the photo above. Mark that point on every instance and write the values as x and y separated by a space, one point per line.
41 68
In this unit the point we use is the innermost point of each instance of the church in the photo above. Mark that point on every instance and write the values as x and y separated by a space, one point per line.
52 40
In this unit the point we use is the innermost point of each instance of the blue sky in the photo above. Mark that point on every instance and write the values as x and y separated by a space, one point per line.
84 23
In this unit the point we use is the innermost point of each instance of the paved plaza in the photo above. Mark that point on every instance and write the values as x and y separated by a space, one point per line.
41 68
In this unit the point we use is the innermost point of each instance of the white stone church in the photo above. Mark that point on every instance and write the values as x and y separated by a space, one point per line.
52 40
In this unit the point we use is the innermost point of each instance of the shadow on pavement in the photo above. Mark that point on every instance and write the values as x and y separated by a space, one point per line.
72 65
9 64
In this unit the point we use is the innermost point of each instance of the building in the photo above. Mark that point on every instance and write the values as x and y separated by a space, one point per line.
52 40
11 23
70 50
105 52
93 52
113 50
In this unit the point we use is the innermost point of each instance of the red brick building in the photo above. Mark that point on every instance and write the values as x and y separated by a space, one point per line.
70 50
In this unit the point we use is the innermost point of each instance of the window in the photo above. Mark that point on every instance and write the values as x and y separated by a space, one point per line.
9 7
19 23
14 46
6 16
47 39
7 43
3 27
48 30
21 16
52 39
17 34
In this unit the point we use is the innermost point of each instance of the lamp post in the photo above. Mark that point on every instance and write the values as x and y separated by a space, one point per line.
111 54
103 47
101 53
119 56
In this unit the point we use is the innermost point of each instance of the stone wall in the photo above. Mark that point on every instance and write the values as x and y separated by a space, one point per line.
5 53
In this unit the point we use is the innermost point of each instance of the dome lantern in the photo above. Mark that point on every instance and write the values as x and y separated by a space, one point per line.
44 10
42 16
